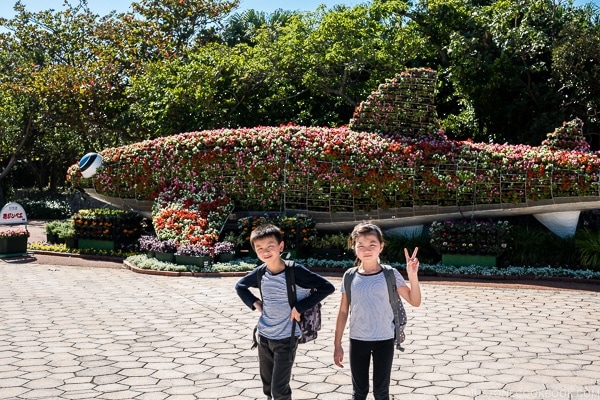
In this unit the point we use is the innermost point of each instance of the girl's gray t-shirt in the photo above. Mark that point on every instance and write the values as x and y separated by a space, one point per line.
274 322
371 315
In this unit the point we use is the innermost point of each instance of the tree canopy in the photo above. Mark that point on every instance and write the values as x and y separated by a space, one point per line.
72 81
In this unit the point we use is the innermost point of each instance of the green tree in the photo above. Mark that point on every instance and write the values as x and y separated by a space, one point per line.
332 59
497 65
576 66
56 65
64 77
176 25
243 27
72 81
181 94
309 69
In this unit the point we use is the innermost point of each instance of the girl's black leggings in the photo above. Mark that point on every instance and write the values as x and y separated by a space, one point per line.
360 359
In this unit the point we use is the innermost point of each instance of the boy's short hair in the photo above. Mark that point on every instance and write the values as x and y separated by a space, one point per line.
263 231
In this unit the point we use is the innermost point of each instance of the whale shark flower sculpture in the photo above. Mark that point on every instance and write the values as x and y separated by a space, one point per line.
392 164
337 171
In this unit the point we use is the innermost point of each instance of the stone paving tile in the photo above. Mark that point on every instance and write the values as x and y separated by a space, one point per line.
96 333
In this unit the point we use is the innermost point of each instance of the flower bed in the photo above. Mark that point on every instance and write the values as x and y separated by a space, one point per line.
470 237
150 243
183 253
6 233
118 226
13 240
187 213
339 266
298 230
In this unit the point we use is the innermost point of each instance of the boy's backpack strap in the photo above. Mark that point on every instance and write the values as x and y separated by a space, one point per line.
348 276
396 304
260 272
290 280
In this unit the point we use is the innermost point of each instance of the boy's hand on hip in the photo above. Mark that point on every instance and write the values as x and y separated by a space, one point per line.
258 305
295 315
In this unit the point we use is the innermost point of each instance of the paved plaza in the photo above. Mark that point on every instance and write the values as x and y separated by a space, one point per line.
69 332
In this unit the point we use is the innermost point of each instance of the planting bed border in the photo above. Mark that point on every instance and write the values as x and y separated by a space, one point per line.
513 281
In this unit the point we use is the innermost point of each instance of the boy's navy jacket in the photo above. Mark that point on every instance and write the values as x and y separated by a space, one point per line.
304 278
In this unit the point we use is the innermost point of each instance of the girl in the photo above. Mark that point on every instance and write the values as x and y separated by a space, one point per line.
371 316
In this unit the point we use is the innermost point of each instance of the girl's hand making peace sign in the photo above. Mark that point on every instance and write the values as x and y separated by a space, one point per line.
412 291
412 262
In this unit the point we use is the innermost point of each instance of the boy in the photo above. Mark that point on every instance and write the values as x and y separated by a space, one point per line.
275 356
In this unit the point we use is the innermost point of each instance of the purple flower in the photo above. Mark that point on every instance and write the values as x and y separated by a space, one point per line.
153 243
224 247
194 249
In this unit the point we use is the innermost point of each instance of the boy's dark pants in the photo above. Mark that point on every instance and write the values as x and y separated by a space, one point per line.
275 365
360 359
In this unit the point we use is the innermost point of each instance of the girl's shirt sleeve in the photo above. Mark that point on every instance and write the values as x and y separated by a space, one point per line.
399 279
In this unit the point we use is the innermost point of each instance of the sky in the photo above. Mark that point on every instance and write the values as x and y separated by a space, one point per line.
103 7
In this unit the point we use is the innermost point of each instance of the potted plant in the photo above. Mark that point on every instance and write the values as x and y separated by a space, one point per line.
66 234
103 229
224 250
164 250
330 246
194 254
468 242
51 229
234 238
298 231
13 241
148 244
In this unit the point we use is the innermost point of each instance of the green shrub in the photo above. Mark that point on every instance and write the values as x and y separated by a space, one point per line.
44 204
587 244
537 246
142 261
331 241
65 229
52 227
393 250
564 252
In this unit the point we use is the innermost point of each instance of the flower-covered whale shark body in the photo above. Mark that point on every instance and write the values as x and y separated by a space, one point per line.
340 176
